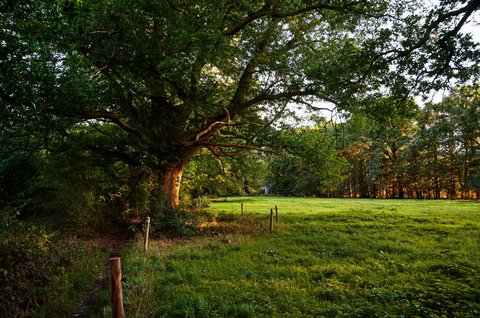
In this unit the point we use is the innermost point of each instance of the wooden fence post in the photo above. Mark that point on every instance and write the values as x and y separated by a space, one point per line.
147 231
271 220
276 214
116 286
241 206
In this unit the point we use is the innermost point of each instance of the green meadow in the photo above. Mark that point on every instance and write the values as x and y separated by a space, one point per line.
324 258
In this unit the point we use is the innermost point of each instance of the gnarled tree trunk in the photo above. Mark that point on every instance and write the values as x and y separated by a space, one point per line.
171 180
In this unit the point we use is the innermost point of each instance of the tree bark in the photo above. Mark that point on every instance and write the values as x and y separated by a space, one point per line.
171 180
401 190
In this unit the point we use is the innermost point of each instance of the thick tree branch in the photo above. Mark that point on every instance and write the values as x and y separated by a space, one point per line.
207 133
215 148
111 153
214 128
195 75
310 105
268 124
117 154
119 122
458 27
269 10
247 77
265 10
173 6
467 10
180 91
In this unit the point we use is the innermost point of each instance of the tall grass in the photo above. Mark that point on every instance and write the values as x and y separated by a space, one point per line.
326 258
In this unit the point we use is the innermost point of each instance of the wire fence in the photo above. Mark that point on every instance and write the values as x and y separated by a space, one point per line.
191 218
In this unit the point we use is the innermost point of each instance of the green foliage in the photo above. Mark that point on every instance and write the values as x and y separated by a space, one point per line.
207 175
309 166
326 258
80 188
39 271
394 149
16 173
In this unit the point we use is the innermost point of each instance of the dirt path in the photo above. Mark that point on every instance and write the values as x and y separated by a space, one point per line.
113 242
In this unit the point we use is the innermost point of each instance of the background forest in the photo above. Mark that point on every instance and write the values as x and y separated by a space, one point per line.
393 150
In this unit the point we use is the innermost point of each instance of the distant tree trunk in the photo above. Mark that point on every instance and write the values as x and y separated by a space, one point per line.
438 190
364 193
388 187
462 179
393 194
419 194
350 187
401 190
452 193
410 191
373 193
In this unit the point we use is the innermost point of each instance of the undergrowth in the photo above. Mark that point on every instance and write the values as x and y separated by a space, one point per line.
41 273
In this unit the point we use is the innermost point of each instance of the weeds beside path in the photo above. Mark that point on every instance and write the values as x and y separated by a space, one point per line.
113 242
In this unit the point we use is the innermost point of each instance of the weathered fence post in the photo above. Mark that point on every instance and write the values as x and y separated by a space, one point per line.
271 220
116 286
241 206
147 231
276 214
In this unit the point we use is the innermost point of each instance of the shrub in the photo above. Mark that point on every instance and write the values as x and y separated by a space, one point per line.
31 260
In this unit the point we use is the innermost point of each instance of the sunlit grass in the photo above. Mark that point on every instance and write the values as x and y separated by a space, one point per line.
327 257
315 205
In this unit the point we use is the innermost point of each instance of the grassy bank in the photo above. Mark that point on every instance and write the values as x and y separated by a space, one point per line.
326 257
69 286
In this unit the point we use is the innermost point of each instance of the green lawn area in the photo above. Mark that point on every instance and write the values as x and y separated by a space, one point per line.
325 258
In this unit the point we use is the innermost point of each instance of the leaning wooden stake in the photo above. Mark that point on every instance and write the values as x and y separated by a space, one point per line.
116 286
241 206
271 220
147 231
276 214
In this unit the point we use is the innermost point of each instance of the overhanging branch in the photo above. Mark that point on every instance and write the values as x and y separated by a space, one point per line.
269 10
119 122
246 78
467 10
215 148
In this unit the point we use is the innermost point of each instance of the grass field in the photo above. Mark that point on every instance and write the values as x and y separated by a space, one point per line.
325 258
